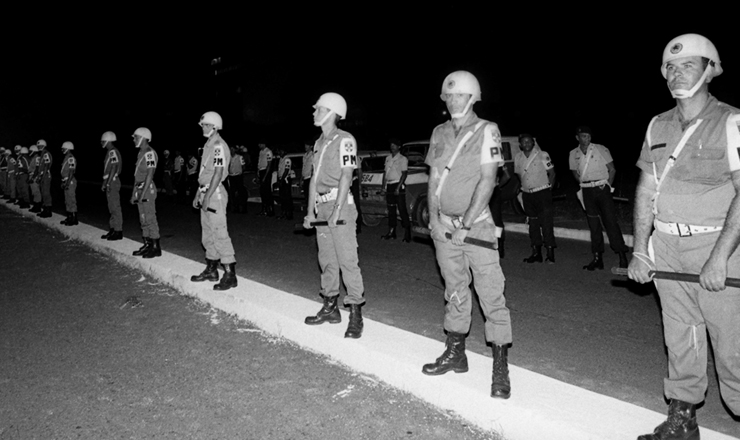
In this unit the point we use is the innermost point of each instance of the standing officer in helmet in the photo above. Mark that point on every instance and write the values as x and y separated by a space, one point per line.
3 172
264 174
687 219
12 180
212 199
34 178
144 195
112 186
69 183
45 173
464 157
22 173
329 199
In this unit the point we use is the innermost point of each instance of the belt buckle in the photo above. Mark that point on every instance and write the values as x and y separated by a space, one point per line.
456 222
686 232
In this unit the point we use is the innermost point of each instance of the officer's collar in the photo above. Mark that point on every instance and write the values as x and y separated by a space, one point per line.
709 106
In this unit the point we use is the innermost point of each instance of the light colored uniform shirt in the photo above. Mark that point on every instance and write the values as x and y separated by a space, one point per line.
532 170
179 163
332 153
698 188
395 166
216 154
264 158
236 165
307 170
483 148
597 157
112 163
146 160
68 166
192 166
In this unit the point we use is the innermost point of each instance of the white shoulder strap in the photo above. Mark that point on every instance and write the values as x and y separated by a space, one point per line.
447 169
733 141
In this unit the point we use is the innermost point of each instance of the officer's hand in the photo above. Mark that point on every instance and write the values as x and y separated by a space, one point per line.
196 205
133 200
397 191
204 207
639 271
334 217
438 232
307 220
458 236
713 275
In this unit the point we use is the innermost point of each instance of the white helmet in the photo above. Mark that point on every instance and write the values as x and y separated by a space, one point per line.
17 148
108 136
34 149
461 81
212 118
335 103
68 146
144 132
24 150
41 143
692 45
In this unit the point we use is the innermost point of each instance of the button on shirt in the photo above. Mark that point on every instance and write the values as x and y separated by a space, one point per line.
264 158
395 166
594 160
698 188
483 148
216 154
532 170
332 153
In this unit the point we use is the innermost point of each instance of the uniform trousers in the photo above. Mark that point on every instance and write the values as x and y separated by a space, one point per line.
355 190
305 185
70 195
46 189
167 180
214 232
113 195
496 205
35 191
24 192
600 208
11 185
396 203
237 193
689 312
266 191
3 180
539 210
148 212
456 263
286 198
338 252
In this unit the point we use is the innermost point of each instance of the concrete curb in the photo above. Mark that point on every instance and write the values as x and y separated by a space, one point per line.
540 407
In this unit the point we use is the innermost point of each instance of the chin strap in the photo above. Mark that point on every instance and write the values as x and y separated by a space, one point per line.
324 119
465 110
686 94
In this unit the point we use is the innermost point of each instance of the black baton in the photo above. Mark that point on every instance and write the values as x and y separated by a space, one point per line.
468 240
299 226
676 276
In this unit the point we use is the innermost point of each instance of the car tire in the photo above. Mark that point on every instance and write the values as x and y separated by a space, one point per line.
421 213
371 219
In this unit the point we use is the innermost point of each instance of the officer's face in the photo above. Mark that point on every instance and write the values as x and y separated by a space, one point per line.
526 144
319 113
137 140
206 128
683 73
395 149
456 102
583 139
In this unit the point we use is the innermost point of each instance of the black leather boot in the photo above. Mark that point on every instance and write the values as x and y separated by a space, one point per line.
229 279
142 250
45 212
154 250
623 262
500 386
116 235
391 235
354 327
66 219
680 425
536 256
329 313
36 208
105 236
73 219
596 263
550 258
210 273
453 358
407 235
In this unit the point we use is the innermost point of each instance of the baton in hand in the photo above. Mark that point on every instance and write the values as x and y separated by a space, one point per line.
299 226
468 240
676 276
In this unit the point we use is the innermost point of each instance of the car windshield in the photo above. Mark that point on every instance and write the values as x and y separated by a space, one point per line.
415 153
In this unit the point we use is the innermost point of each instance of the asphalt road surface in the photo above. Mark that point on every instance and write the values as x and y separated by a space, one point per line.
590 329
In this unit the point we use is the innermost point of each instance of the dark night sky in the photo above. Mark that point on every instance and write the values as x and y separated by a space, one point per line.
77 74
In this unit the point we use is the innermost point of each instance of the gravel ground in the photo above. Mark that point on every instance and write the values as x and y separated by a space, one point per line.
77 361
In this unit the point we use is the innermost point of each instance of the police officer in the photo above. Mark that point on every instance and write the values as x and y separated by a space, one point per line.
307 170
285 186
169 168
178 176
394 186
537 175
12 180
264 174
237 199
687 219
192 174
3 173
45 173
464 156
112 185
22 174
212 200
329 199
593 168
34 178
69 183
144 195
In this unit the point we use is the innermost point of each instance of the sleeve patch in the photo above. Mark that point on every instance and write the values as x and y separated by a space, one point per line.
151 160
218 155
72 163
733 141
491 149
113 157
348 153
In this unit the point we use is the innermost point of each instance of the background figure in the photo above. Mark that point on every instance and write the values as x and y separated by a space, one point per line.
264 174
169 167
192 182
45 171
285 185
355 188
69 184
307 171
22 174
237 202
496 205
394 185
34 178
179 177
112 186
3 172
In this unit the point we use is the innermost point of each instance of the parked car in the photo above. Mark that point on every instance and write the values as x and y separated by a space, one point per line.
374 207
